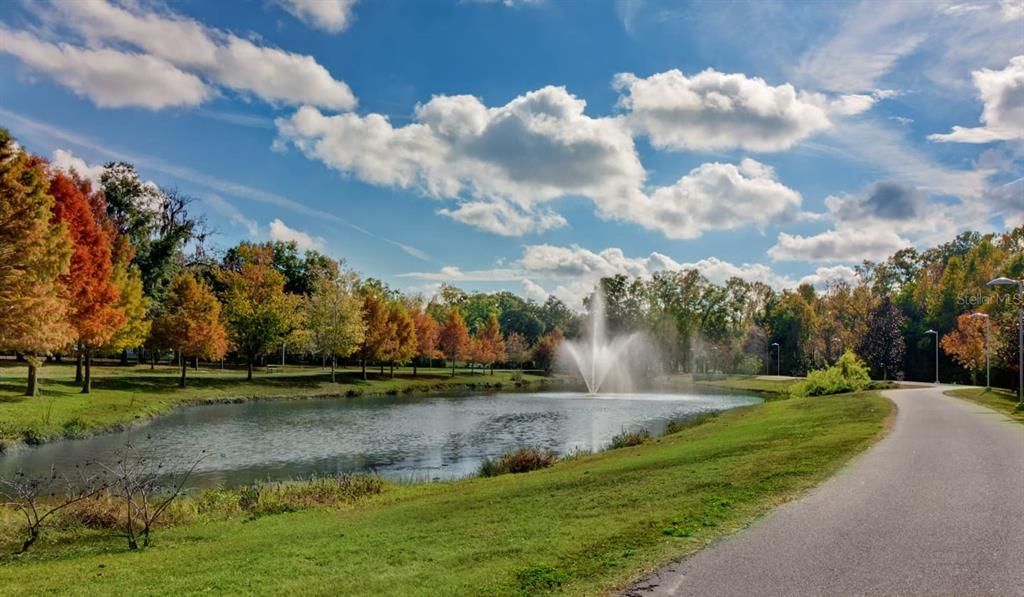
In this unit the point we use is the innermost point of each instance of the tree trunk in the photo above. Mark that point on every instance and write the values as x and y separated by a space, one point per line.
392 370
152 360
363 363
382 368
78 366
453 367
195 363
414 368
87 382
249 370
33 381
124 356
181 382
333 362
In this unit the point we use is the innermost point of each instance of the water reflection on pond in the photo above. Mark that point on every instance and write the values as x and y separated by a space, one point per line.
421 438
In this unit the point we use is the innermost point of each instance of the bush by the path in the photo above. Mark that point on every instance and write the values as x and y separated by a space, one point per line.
849 374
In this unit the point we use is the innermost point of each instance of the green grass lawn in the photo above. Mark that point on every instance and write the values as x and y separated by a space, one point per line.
1003 401
586 526
123 395
766 384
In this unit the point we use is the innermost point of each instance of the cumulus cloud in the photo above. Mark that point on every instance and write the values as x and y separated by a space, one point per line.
110 78
279 231
884 200
718 196
1002 95
332 16
571 272
172 61
825 275
68 161
842 244
503 164
712 111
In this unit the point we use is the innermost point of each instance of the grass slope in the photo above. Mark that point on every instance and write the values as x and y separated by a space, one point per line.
122 395
585 526
1003 401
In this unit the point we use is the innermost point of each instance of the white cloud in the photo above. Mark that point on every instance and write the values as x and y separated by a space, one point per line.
572 271
1002 94
503 164
718 196
823 275
67 161
330 15
174 61
110 78
279 231
713 110
843 245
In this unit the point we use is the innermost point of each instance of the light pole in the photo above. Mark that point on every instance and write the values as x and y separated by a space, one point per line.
1020 330
988 368
778 358
936 353
839 342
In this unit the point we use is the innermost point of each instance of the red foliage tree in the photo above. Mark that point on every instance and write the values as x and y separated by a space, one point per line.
89 283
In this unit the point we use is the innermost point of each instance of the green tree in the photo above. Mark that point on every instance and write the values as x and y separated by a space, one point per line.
335 316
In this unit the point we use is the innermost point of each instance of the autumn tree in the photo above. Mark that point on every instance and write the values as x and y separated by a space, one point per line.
966 344
400 345
34 256
334 314
427 333
453 339
490 346
882 345
134 305
89 282
546 351
376 328
517 348
257 309
190 322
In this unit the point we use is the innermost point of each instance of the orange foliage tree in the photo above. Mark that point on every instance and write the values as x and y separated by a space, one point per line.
546 350
89 282
489 345
190 322
427 332
376 328
34 255
400 346
454 338
966 344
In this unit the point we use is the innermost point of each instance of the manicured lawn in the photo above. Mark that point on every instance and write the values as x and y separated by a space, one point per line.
585 526
1003 401
122 395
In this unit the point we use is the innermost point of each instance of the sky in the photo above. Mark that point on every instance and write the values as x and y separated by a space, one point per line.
537 145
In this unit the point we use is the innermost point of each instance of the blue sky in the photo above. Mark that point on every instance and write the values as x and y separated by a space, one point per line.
537 145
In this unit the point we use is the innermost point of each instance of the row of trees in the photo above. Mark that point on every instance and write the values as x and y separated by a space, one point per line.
883 316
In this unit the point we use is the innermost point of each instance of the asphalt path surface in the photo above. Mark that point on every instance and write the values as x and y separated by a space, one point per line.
935 508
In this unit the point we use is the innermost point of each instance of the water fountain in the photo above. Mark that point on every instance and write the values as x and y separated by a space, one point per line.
604 362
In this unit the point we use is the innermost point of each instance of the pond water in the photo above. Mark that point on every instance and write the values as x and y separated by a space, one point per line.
402 438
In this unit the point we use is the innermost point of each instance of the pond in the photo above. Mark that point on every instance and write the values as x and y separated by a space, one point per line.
401 438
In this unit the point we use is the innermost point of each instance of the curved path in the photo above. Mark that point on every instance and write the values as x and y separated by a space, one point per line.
935 508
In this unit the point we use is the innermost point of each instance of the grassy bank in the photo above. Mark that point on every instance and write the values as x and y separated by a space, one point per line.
124 395
763 384
1003 401
584 526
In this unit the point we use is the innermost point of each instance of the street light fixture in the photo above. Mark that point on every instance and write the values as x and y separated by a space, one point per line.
1020 330
936 353
778 358
988 326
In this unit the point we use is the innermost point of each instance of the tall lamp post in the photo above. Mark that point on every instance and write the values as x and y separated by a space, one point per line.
1020 330
936 353
988 368
839 342
778 358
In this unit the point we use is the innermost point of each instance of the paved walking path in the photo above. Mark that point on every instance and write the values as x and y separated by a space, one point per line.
935 508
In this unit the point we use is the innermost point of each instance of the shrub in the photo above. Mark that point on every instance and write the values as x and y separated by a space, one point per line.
259 499
677 425
522 460
629 438
849 374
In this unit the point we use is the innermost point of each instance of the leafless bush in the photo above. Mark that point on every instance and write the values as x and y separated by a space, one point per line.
145 489
38 499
